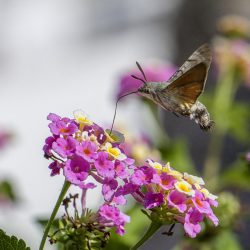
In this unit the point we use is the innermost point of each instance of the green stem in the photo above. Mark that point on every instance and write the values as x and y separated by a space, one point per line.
154 226
64 190
224 95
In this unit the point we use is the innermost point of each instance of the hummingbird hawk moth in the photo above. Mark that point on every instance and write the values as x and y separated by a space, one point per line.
179 94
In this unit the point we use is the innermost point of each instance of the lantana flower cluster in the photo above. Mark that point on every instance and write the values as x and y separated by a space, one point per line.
174 197
84 151
86 154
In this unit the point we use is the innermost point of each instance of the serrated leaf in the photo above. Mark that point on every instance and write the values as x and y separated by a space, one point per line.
11 242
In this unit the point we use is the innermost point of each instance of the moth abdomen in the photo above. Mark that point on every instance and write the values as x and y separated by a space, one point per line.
201 116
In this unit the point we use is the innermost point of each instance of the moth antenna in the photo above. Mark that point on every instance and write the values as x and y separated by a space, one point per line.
137 78
141 70
116 104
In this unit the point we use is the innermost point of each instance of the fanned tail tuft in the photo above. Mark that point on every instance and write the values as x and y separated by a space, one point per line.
201 116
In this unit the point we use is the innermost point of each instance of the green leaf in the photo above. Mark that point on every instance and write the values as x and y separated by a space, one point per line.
11 242
116 136
7 191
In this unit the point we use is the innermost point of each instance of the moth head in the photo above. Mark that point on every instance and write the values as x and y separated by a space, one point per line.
147 90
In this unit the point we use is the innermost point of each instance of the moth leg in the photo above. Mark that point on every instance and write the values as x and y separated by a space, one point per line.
170 230
175 114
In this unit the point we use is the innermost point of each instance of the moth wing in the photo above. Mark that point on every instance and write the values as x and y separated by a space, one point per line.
201 55
185 86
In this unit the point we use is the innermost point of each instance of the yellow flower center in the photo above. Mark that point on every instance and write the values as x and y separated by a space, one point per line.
183 187
114 151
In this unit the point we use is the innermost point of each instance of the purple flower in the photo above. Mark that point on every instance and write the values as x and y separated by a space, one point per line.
48 145
104 166
121 170
200 203
119 200
61 126
177 200
53 117
213 218
122 220
145 175
127 188
111 216
167 181
55 167
192 219
87 150
153 72
109 213
64 147
138 178
153 200
76 170
99 133
108 189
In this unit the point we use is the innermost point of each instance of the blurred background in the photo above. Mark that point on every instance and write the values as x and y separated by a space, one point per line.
59 56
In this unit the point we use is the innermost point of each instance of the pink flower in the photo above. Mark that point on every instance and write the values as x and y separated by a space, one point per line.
145 175
167 181
64 147
211 216
111 216
88 150
122 220
121 170
55 167
108 188
48 145
192 219
177 200
53 117
104 166
153 200
119 200
127 188
63 126
76 170
200 203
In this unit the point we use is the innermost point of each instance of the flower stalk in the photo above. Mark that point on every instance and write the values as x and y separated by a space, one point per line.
64 190
154 226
